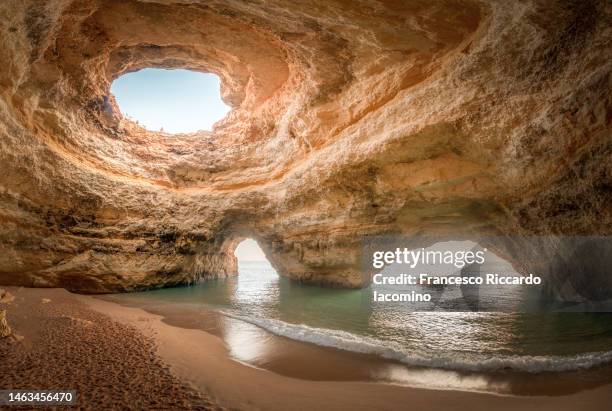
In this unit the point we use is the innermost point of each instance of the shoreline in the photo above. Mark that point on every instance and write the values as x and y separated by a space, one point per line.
257 346
203 359
193 359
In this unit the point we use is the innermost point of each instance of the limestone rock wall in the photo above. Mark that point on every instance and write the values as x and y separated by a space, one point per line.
349 118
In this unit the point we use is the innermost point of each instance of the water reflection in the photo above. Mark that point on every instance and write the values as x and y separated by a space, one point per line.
487 351
246 342
261 288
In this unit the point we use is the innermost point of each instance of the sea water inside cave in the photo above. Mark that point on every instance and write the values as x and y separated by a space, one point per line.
343 318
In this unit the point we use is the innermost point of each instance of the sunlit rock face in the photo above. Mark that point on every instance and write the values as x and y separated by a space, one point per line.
349 118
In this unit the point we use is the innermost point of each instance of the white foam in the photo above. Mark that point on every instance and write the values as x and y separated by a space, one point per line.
465 362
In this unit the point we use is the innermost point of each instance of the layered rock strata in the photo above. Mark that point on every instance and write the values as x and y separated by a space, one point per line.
349 118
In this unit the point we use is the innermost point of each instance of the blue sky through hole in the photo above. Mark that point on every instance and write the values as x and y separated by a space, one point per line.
179 101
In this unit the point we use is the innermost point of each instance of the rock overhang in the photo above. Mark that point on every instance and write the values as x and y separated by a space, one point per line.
349 118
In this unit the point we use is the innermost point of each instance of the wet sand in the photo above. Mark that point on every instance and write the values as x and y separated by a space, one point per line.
124 357
197 353
255 346
59 343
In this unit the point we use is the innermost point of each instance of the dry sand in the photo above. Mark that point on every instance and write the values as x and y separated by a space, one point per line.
118 356
66 345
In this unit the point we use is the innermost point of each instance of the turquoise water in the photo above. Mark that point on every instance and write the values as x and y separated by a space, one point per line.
349 320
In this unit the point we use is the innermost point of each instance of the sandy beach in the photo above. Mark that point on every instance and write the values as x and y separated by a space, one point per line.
258 347
60 343
100 347
321 205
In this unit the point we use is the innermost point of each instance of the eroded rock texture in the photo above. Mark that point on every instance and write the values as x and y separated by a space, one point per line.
349 118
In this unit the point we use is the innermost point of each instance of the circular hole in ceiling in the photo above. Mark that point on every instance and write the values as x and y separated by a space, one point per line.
172 101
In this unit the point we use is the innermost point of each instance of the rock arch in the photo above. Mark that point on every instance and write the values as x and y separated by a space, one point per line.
350 118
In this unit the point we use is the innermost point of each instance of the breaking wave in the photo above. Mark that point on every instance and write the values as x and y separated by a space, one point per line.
457 361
